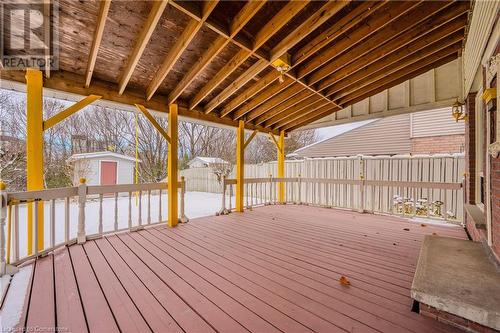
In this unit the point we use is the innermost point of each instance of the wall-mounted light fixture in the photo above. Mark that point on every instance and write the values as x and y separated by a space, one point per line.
457 111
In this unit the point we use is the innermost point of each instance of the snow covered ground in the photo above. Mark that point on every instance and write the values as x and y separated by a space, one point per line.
197 204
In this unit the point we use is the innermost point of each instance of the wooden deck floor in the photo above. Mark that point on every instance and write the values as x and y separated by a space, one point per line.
273 269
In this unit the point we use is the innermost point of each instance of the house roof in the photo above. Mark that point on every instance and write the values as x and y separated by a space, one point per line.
101 154
208 160
385 136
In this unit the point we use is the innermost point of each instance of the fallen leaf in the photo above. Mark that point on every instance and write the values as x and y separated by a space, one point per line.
435 234
423 225
406 229
344 281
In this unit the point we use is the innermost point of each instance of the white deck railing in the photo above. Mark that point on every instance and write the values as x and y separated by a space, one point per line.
424 199
99 202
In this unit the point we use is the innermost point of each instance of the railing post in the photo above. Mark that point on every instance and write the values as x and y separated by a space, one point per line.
270 189
223 210
3 214
183 218
361 207
82 198
4 268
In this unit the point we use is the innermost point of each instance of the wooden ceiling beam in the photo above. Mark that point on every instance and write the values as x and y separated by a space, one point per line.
249 92
73 84
243 79
317 108
432 30
402 70
312 23
239 21
308 103
274 101
426 15
180 45
283 106
142 40
376 89
312 117
358 14
414 52
96 41
348 21
265 33
374 23
262 97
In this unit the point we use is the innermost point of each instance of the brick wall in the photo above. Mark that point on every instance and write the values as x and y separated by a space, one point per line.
438 144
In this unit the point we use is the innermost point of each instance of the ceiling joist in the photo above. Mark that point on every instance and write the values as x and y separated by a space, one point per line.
142 40
96 41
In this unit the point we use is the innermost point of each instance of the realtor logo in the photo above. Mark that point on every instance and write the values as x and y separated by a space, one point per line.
29 34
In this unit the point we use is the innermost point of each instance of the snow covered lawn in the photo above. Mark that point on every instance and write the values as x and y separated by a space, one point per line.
197 204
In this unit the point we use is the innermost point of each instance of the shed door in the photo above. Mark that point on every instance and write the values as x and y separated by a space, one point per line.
108 173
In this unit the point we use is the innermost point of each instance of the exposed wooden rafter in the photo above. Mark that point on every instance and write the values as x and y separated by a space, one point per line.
270 114
274 101
96 41
276 88
181 44
239 21
359 13
430 31
415 52
267 31
309 103
374 23
394 30
375 88
142 40
402 68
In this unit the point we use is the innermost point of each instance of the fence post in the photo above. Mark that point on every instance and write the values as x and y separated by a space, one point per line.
299 189
361 207
183 218
82 198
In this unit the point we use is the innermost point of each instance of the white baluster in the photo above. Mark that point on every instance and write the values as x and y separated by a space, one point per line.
82 198
100 214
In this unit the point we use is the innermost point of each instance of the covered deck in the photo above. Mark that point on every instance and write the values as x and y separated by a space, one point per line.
275 268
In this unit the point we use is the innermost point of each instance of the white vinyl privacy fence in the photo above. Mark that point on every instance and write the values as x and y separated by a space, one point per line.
392 183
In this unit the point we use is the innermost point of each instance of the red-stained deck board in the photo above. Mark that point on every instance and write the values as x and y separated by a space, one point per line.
69 310
272 269
332 297
97 311
125 311
228 304
154 313
41 312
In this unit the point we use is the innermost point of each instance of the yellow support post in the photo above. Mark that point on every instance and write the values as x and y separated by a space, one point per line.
34 150
172 166
240 165
280 148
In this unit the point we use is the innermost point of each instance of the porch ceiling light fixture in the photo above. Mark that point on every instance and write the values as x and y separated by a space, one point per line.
283 65
457 111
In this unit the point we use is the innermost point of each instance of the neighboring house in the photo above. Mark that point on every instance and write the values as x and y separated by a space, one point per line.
426 132
103 168
204 162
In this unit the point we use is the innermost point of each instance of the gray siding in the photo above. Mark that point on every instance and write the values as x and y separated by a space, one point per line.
435 122
386 136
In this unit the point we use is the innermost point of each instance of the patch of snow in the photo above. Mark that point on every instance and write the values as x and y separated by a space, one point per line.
13 306
197 204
